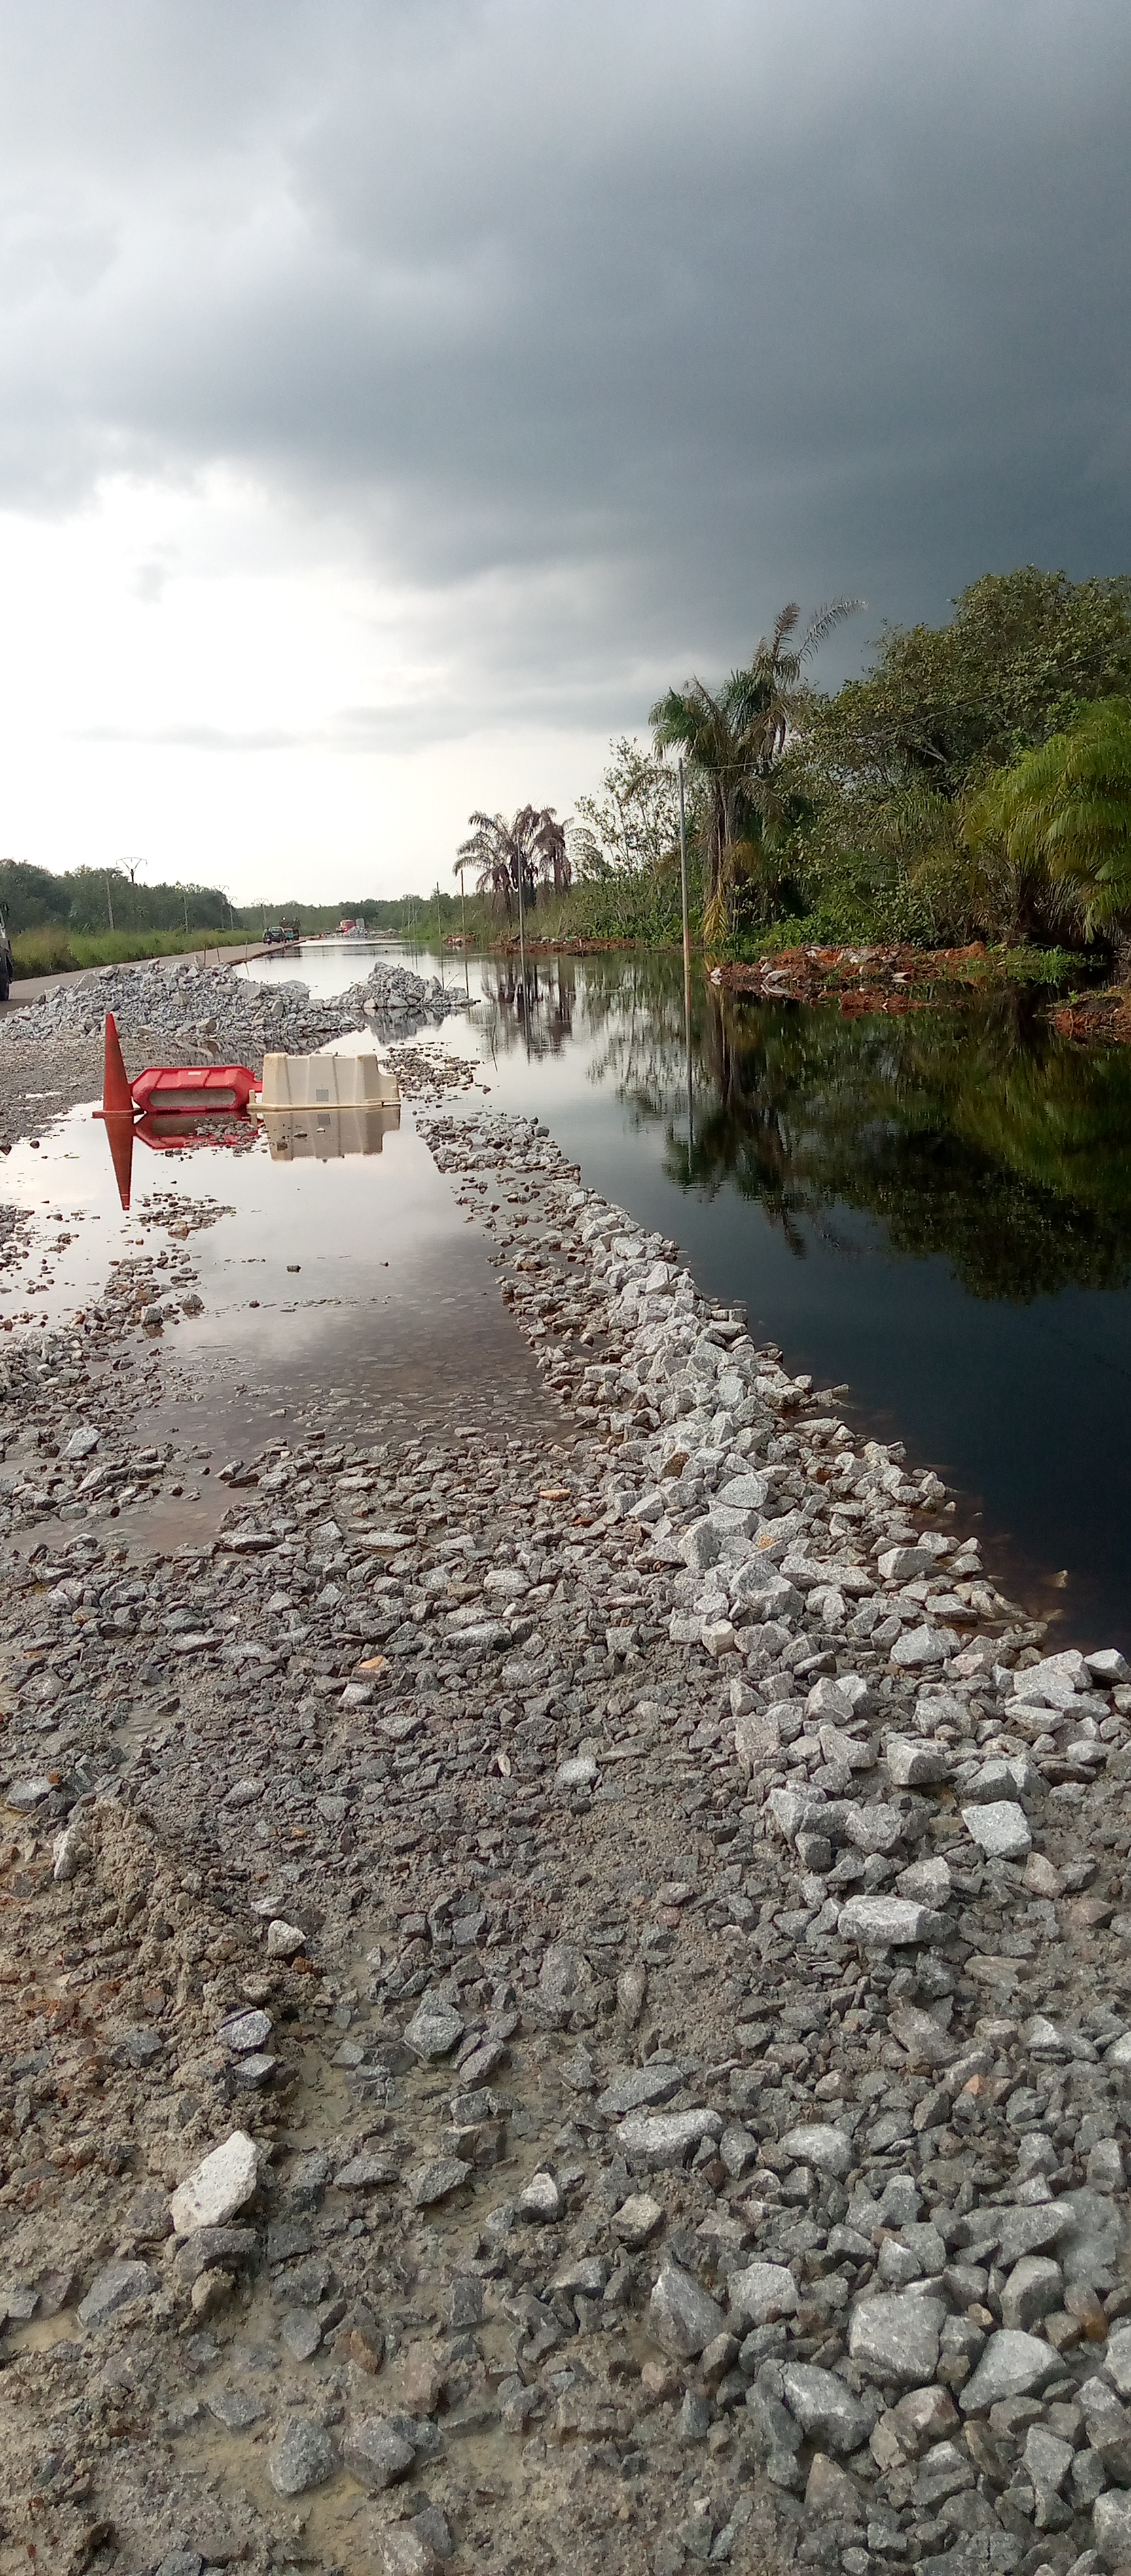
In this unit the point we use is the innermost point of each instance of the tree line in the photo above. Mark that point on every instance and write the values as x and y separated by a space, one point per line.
975 781
89 900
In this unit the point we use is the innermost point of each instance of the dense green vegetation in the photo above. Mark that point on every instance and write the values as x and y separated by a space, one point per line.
91 900
975 782
905 774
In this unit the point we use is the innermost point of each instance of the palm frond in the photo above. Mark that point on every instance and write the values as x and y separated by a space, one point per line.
822 622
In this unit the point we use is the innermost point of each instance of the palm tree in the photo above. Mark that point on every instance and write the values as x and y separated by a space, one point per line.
489 850
1062 815
553 852
505 853
735 741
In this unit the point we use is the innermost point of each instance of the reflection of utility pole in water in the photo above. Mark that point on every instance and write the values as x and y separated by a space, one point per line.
686 960
463 934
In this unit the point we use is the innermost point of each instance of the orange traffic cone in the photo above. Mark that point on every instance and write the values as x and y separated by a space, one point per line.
120 1131
117 1098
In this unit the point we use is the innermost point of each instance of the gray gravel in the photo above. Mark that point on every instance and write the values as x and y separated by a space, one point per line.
686 2136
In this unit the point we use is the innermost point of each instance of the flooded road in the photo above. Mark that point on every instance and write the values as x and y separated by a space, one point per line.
932 1211
349 1286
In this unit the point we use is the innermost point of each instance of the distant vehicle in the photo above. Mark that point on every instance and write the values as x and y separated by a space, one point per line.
352 930
283 934
7 961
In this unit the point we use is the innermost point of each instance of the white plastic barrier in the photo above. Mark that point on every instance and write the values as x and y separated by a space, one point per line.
327 1082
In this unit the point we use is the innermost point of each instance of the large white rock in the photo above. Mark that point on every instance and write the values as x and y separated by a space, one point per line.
682 2317
914 1764
825 2409
921 1646
1111 2527
897 2337
1055 1681
1001 1830
745 1493
665 2138
886 1922
757 1738
213 2192
904 1564
1012 2365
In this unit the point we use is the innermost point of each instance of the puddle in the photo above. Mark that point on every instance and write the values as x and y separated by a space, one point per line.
352 1285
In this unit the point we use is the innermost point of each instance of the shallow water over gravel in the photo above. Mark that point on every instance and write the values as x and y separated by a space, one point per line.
329 1282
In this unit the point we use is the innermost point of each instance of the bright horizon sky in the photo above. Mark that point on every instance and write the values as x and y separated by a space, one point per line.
395 395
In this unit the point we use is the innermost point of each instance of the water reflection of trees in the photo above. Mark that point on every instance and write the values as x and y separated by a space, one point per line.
556 1002
973 1134
535 1012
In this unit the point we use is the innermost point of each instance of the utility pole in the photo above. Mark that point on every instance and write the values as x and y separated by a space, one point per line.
686 957
109 899
131 867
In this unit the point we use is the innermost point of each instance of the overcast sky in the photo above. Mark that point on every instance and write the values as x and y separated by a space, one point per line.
396 394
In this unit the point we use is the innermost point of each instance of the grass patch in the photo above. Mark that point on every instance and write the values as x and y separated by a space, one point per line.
60 952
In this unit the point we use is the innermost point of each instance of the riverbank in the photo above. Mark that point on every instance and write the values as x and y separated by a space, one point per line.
1095 1019
648 1907
868 977
876 978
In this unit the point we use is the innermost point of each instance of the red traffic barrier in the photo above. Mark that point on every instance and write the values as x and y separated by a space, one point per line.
182 1135
183 1092
191 1090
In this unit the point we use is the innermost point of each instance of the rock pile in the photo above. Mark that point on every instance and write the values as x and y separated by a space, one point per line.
657 1915
207 1014
398 1002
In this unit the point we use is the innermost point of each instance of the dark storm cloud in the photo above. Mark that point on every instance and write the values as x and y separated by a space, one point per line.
610 326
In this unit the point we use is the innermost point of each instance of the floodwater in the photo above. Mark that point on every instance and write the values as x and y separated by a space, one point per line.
353 1285
933 1211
